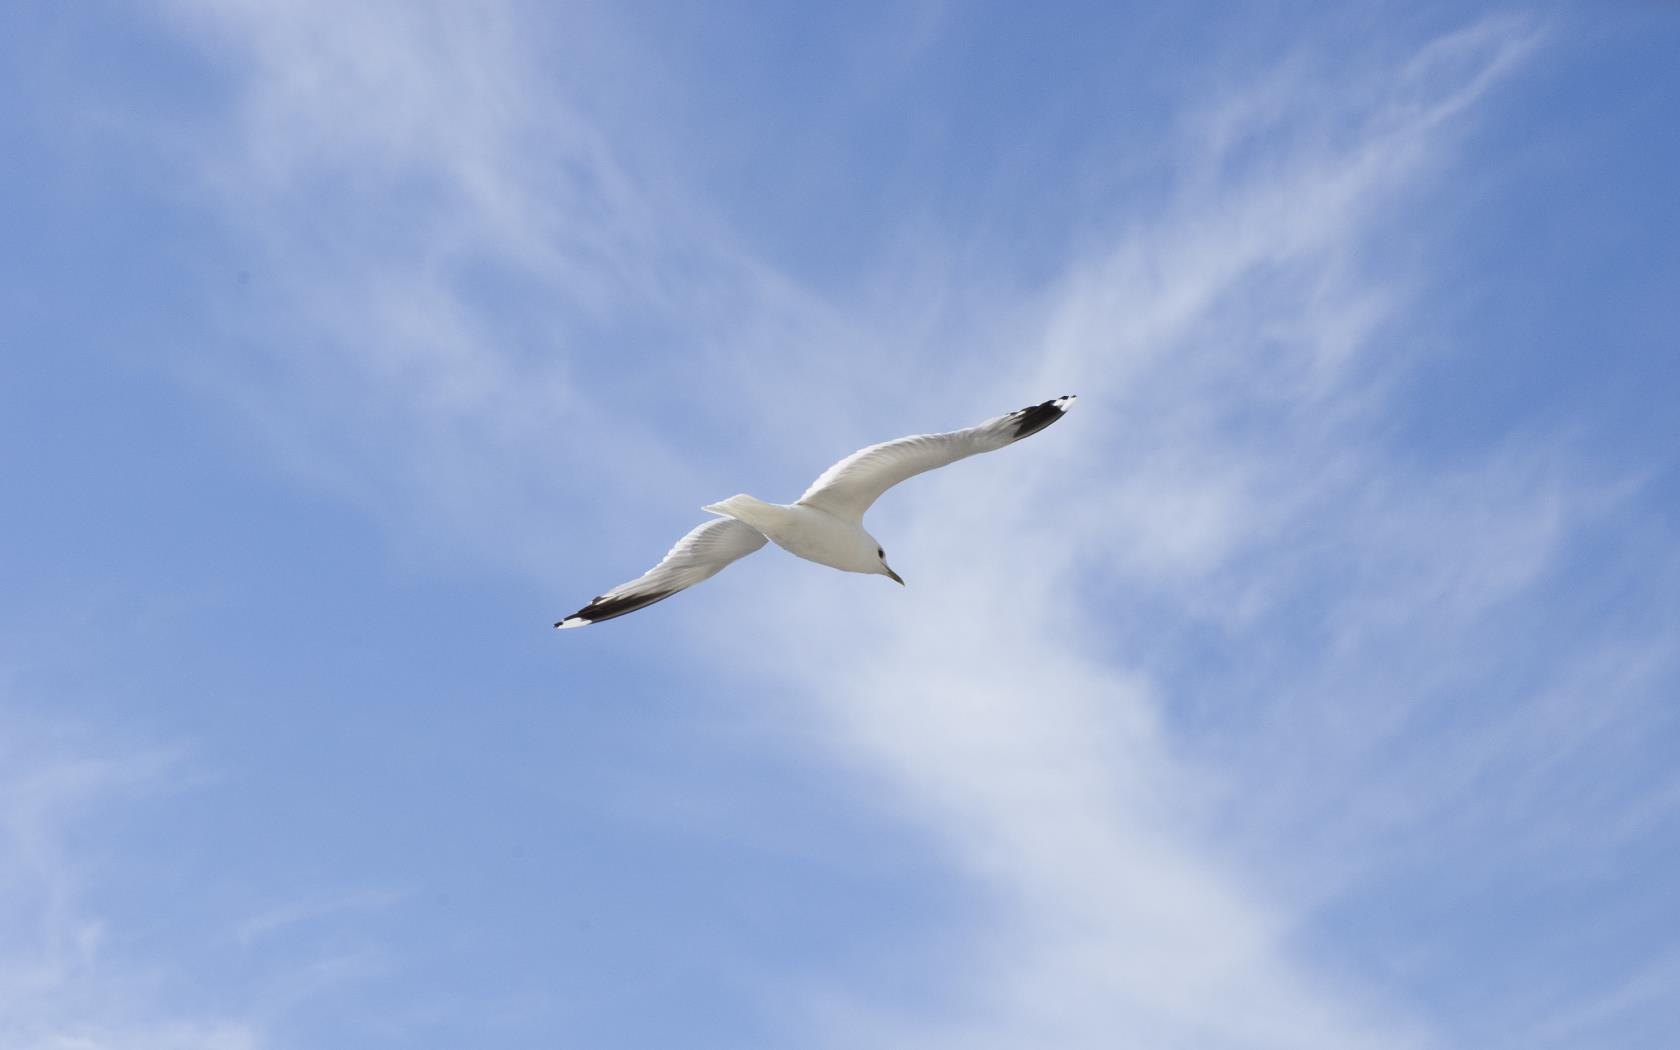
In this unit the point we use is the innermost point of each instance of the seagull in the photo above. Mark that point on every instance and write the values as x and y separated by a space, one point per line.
825 525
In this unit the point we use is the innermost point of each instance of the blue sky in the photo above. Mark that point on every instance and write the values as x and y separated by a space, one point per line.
1312 685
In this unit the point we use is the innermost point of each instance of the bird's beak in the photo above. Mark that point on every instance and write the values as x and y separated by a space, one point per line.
894 575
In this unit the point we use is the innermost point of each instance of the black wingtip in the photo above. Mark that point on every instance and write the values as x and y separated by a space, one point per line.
607 608
1031 420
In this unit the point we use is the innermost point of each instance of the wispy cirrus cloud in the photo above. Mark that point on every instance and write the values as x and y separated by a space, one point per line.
1031 746
59 987
80 970
1163 839
1172 684
450 257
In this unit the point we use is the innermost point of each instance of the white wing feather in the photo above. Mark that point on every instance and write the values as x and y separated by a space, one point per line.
848 488
706 551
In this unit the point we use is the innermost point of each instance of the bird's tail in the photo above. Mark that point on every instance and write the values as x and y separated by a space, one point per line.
744 508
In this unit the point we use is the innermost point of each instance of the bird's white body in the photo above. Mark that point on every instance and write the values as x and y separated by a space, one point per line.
826 524
813 534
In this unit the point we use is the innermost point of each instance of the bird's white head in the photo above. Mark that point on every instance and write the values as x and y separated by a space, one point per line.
883 568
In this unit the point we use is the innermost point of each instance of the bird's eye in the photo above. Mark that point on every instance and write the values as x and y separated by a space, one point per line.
879 553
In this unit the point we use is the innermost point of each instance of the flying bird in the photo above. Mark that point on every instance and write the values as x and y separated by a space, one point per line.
825 525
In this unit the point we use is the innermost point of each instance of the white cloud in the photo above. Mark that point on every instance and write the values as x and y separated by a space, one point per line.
76 974
58 989
272 920
1225 474
1623 1013
388 170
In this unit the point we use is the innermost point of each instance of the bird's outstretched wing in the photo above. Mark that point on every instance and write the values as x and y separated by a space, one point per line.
700 555
848 488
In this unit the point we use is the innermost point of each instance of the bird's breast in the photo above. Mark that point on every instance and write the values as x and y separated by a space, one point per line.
820 537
